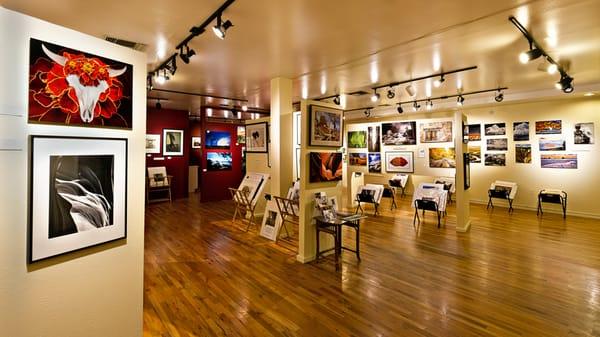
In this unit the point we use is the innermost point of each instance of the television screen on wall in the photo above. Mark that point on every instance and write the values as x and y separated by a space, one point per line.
217 139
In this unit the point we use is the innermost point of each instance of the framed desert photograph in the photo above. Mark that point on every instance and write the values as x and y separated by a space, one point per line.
358 159
474 153
172 142
78 194
373 142
357 139
196 142
559 161
71 87
399 133
441 157
325 127
552 144
152 143
436 132
325 166
399 161
551 127
257 137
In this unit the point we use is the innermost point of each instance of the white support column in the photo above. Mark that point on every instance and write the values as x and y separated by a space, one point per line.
280 133
463 221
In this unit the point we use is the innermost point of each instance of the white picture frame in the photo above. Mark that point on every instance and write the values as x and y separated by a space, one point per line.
395 159
196 142
271 223
67 214
173 142
153 143
257 137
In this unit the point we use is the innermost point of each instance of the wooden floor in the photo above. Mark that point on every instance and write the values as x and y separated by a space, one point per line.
511 275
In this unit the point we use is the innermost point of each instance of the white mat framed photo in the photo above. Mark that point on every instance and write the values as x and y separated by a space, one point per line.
271 223
78 194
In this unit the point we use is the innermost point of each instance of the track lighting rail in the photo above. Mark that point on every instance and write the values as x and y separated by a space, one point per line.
440 74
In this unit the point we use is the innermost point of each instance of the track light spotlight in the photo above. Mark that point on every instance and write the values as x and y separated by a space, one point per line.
162 78
400 110
499 97
438 82
565 84
375 96
336 100
391 94
185 56
416 106
368 113
429 105
529 55
158 105
149 85
552 68
460 100
410 90
244 107
221 28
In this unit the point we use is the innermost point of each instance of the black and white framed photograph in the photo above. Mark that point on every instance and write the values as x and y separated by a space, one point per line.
583 133
196 142
257 139
78 194
271 223
152 143
172 142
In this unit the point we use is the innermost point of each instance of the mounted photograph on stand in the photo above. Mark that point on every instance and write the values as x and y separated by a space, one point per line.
399 133
399 161
71 87
78 194
325 166
172 142
257 137
326 125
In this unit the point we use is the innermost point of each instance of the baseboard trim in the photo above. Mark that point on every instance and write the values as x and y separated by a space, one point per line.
547 210
464 229
305 259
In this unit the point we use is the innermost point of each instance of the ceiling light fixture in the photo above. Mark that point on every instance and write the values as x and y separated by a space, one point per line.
158 105
368 113
410 90
239 115
244 107
336 100
429 104
499 96
221 27
565 84
531 54
552 68
438 82
185 56
391 94
588 94
162 78
416 106
460 100
400 110
375 96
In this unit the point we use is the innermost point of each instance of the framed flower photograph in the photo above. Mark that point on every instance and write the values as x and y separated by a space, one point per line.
71 87
326 125
172 142
257 137
78 194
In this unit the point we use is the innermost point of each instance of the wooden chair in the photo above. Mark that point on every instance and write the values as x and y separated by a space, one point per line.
158 181
426 205
289 210
243 205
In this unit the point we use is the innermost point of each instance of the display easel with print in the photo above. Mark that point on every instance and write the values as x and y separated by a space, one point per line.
551 196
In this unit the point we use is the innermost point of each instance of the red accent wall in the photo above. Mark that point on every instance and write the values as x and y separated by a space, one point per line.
214 184
177 166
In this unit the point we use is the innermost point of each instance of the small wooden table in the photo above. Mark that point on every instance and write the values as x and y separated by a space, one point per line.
334 227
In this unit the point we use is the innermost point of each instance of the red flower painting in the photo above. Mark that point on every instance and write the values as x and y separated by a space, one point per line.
74 88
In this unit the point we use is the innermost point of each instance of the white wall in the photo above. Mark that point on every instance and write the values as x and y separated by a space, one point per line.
581 184
94 292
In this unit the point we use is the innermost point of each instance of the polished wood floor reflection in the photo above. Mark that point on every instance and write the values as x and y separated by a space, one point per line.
512 275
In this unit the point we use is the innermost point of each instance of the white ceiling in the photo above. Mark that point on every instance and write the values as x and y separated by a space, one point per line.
342 45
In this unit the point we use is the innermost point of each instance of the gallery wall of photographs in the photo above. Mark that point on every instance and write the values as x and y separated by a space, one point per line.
399 147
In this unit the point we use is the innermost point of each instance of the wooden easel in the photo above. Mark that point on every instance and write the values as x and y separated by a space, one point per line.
243 205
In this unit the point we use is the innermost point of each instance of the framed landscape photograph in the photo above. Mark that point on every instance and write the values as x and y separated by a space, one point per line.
399 161
495 129
373 142
78 194
552 144
548 127
560 161
474 154
520 131
196 142
399 133
523 153
325 167
215 139
325 127
495 159
583 133
474 132
358 159
497 144
257 137
218 161
172 142
74 88
436 132
441 157
152 143
374 162
357 139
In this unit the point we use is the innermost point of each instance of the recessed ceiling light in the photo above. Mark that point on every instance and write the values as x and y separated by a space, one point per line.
588 94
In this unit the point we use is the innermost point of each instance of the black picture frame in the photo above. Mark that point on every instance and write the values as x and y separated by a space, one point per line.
466 171
33 193
338 114
262 126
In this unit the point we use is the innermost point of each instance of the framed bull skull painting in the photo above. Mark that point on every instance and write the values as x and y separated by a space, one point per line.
78 195
70 87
